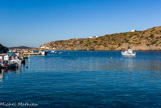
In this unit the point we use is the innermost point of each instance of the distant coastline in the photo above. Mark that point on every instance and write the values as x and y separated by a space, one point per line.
147 40
20 47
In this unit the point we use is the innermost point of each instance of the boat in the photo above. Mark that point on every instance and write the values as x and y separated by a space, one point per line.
53 51
8 65
129 52
18 61
8 61
43 53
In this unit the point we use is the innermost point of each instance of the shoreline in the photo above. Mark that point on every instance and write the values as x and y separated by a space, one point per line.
77 50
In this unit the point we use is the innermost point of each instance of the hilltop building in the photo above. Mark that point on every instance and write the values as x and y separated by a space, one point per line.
133 30
94 37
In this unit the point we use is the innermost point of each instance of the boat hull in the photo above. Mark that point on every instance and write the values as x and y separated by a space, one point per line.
14 65
128 54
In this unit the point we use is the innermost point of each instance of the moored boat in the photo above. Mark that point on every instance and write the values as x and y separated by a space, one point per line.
43 53
129 52
53 51
10 61
7 65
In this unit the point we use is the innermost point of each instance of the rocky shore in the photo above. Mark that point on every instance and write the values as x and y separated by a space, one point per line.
146 40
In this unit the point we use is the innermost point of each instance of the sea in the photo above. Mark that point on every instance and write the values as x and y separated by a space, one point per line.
84 79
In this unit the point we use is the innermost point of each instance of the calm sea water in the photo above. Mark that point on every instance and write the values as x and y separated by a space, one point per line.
85 79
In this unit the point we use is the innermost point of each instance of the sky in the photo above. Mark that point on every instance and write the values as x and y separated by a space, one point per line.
35 22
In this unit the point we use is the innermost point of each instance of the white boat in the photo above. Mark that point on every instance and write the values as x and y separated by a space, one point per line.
129 52
18 61
53 51
43 53
7 61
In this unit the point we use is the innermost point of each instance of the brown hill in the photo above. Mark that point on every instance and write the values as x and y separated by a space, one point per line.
149 39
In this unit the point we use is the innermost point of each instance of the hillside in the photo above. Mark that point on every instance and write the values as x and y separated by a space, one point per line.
20 47
149 39
3 49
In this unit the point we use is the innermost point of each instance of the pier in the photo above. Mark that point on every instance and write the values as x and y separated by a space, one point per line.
30 53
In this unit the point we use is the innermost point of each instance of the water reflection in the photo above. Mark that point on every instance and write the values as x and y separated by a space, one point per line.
129 62
51 80
129 65
1 75
6 71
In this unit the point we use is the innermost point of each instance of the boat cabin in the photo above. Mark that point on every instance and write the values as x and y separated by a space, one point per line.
4 57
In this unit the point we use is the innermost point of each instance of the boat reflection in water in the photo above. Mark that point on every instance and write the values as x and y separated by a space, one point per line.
8 71
1 76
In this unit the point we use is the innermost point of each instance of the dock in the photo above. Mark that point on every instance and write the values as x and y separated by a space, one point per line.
32 54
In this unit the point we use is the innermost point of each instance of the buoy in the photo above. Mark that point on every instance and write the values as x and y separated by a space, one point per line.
111 57
51 60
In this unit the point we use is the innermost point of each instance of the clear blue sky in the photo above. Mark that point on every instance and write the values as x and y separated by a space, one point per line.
35 22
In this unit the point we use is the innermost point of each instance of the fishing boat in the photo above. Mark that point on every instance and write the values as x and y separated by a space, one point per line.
7 61
18 61
53 51
8 65
129 52
43 53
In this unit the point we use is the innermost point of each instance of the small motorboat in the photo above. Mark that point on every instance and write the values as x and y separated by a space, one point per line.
43 53
7 65
129 52
53 51
18 61
10 61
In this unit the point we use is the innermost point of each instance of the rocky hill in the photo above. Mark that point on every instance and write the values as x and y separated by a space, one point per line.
3 49
149 39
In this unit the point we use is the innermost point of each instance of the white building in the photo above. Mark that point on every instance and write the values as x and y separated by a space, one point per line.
4 58
133 30
42 47
47 48
94 37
